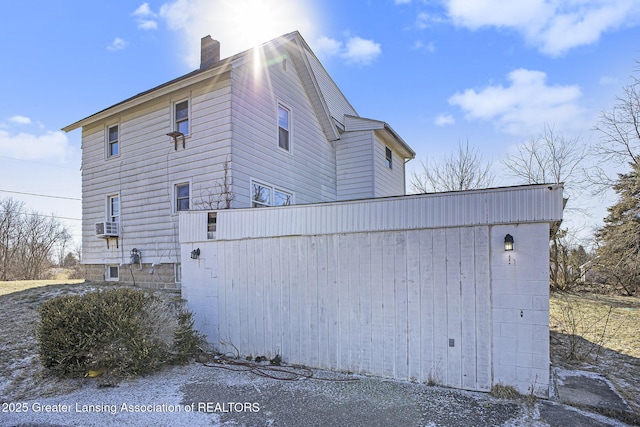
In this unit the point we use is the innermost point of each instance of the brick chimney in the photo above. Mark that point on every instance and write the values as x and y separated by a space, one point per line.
209 52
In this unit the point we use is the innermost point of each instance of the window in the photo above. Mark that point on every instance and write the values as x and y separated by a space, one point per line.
112 273
182 197
182 117
263 195
212 220
178 272
283 127
280 198
113 208
260 196
112 141
389 157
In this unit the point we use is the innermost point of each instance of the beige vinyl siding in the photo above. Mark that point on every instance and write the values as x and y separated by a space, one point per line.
354 161
148 167
308 169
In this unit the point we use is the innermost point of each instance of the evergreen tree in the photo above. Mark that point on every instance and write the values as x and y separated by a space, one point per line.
619 238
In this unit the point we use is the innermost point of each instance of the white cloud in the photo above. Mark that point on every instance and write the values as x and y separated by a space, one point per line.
426 20
526 105
21 120
608 81
552 26
147 24
361 51
444 120
238 24
25 146
117 44
401 1
355 50
428 47
143 10
326 46
145 17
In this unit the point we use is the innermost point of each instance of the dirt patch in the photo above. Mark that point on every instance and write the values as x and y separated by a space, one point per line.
603 330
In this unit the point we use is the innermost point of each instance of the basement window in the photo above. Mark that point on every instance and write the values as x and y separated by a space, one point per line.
112 273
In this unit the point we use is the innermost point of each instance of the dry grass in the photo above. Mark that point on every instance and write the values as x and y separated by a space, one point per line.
21 285
22 376
603 330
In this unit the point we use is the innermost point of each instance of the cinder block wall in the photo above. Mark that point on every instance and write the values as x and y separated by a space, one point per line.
520 299
160 276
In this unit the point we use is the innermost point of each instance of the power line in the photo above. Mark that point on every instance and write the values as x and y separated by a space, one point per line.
45 216
40 195
39 163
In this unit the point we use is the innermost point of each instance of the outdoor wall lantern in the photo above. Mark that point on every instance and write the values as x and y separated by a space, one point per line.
508 242
195 253
175 136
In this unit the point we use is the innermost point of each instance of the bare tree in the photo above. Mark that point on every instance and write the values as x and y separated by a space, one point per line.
551 158
465 170
220 196
11 212
27 240
620 135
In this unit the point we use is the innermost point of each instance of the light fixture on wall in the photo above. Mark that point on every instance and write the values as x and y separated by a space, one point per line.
508 242
175 136
195 253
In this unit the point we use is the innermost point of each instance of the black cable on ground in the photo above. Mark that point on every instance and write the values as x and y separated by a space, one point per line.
292 373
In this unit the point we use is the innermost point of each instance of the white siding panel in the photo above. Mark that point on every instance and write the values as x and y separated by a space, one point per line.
335 100
409 212
407 301
308 170
147 168
354 166
384 302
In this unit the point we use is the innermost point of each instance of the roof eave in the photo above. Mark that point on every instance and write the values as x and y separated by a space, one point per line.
163 89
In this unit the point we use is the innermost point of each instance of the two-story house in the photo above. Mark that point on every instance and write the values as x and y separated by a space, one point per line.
264 127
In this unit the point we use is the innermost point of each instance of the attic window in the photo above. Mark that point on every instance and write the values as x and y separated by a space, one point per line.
389 157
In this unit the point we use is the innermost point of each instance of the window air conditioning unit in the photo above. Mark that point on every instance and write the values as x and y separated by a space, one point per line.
107 229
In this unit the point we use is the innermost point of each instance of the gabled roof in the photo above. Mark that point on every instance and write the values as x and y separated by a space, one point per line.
191 78
354 123
329 103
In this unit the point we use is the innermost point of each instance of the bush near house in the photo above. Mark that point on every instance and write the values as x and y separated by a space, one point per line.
121 331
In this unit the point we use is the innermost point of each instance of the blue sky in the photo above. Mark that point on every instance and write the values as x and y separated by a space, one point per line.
439 72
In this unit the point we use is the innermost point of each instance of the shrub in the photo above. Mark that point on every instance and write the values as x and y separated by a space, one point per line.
123 331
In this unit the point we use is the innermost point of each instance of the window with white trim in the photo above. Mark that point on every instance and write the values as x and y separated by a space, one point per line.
112 273
284 127
182 196
181 117
263 195
113 146
113 208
